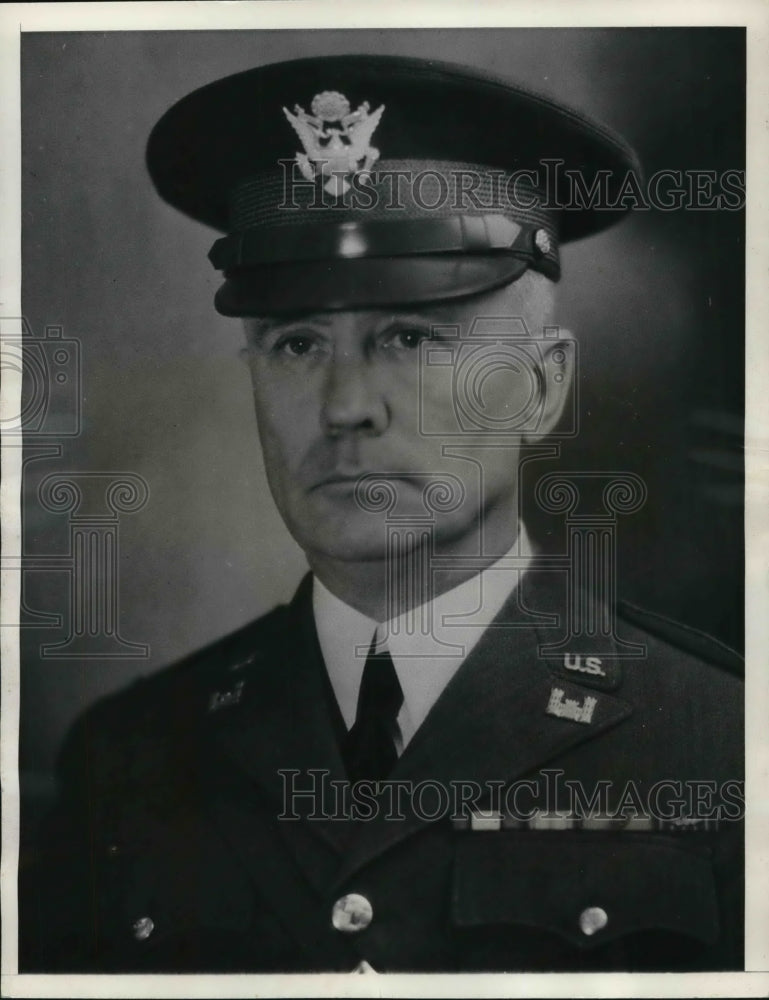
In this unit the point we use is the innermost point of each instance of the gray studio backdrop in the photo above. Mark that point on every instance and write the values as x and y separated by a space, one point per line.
163 396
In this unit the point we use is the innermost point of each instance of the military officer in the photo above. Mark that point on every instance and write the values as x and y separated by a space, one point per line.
407 768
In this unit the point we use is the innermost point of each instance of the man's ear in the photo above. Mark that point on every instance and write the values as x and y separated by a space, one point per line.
556 374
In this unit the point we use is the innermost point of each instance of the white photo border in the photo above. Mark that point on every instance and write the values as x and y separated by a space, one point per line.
308 14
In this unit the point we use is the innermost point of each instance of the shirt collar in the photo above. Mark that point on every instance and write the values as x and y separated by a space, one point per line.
424 659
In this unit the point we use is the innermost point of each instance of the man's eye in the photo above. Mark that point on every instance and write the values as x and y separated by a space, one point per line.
294 345
406 338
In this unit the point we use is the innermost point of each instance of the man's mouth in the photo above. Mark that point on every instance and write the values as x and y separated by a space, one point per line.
351 479
338 485
337 478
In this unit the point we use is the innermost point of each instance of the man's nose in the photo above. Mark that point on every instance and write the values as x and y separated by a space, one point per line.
353 402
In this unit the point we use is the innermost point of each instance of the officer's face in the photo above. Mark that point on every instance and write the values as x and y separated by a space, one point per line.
412 395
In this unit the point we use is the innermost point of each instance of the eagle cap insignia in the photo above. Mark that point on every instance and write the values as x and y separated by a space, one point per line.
336 140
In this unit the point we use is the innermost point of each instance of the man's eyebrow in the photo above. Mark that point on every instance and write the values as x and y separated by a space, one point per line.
416 318
436 317
267 323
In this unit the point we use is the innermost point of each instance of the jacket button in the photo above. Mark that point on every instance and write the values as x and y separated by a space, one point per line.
352 913
593 919
143 927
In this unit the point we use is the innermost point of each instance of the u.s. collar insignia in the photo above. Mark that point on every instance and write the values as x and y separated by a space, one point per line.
595 671
336 140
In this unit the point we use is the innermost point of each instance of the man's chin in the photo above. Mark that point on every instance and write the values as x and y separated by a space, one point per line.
345 547
355 535
348 535
333 523
363 537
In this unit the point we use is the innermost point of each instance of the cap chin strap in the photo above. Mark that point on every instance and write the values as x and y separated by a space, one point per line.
463 234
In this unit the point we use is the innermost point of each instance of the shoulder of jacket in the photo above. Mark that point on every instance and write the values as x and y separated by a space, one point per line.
169 703
235 651
691 641
246 647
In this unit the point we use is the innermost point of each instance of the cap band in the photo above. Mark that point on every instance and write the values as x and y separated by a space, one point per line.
469 234
394 188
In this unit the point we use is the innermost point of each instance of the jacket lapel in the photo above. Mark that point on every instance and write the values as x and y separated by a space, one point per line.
491 723
284 734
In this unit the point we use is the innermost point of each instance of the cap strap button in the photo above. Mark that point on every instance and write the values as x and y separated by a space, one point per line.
542 242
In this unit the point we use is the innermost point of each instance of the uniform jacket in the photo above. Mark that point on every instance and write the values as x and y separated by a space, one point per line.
167 852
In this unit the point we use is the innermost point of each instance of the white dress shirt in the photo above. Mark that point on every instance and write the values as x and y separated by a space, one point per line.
424 660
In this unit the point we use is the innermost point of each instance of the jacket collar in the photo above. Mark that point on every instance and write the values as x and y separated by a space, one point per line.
493 722
427 644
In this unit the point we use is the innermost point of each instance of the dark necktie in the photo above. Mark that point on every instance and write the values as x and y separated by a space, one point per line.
370 752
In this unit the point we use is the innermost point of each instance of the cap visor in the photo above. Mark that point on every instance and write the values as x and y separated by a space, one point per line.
362 283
